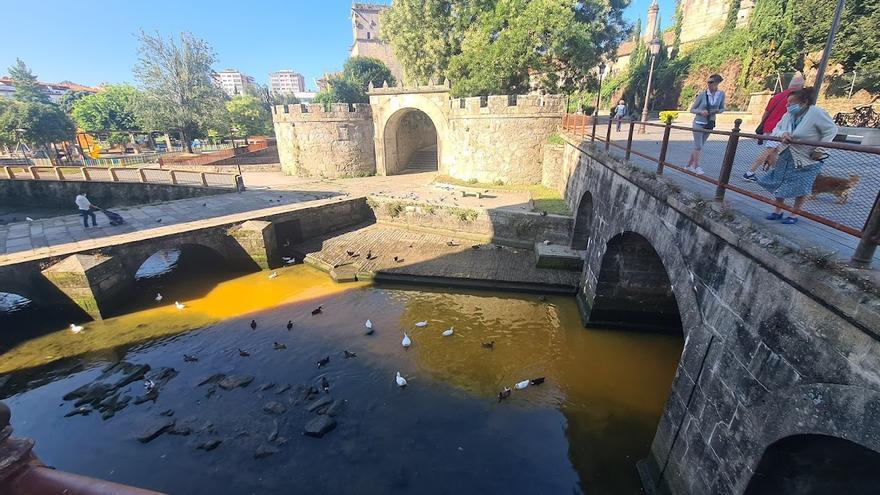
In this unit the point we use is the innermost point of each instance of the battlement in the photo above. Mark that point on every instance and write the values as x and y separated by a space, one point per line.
378 7
431 87
507 105
316 111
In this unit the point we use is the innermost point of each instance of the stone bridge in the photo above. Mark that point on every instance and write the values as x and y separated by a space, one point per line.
781 358
94 281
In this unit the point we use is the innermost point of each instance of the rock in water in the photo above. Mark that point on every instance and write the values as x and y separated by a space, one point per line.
320 403
266 386
319 426
283 388
234 381
155 429
264 450
274 407
335 408
210 444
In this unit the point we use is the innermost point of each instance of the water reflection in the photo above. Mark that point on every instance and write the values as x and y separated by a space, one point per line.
582 430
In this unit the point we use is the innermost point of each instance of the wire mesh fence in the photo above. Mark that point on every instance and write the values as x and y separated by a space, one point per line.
844 195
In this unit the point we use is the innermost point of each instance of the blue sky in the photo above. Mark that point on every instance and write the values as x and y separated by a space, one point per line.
90 41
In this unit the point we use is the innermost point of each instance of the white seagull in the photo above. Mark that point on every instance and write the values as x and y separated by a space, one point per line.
368 324
29 219
421 324
406 342
401 381
521 385
448 332
75 328
179 305
158 297
288 260
273 275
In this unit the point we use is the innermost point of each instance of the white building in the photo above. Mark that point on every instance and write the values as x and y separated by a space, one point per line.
233 82
287 81
53 90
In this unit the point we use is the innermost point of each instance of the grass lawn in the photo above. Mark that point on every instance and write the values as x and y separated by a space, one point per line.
545 199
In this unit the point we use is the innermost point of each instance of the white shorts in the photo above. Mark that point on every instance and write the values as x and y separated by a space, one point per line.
771 144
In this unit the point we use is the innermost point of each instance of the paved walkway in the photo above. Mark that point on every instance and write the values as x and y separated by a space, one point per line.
806 233
430 256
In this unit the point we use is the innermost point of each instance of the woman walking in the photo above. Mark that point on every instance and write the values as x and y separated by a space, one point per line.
772 115
707 105
620 112
797 165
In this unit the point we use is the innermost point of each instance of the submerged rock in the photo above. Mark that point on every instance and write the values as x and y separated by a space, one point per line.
216 377
167 412
321 403
81 411
154 430
265 450
180 430
266 386
335 408
319 426
283 388
209 445
234 381
274 407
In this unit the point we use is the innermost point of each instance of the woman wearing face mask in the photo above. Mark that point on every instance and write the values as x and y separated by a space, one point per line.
797 165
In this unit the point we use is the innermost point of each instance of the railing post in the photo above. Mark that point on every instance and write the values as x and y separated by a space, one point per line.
594 117
204 179
664 145
33 170
727 164
629 137
113 176
58 174
173 177
608 134
9 172
870 238
85 173
142 175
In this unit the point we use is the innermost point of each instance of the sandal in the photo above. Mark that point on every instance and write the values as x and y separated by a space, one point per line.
774 216
790 220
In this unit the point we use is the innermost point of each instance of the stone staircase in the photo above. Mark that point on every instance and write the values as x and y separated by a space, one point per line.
424 160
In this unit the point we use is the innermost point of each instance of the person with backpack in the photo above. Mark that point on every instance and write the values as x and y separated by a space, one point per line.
776 109
707 105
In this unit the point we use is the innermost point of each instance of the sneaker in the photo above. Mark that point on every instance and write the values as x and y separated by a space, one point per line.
750 176
774 216
790 220
699 171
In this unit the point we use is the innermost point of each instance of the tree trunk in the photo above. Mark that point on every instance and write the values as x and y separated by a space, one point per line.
134 145
168 141
187 142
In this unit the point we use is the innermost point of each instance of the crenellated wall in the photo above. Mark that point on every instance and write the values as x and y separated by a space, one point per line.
501 137
316 142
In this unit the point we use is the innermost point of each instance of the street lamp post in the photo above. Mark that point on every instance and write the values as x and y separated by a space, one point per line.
820 74
655 49
598 95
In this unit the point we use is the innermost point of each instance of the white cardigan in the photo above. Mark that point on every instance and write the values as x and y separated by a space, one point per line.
816 125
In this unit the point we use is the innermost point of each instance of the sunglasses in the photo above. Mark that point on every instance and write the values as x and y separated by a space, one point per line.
712 81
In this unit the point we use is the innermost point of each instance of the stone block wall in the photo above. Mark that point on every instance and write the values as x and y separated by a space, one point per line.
316 142
501 137
775 346
415 132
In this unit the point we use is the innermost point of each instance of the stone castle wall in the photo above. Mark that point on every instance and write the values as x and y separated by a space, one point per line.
315 142
501 137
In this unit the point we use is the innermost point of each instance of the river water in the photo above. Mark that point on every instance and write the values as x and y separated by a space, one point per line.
581 431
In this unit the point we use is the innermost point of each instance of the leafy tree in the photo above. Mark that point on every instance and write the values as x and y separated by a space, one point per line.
178 87
247 116
365 70
341 90
69 98
111 109
27 88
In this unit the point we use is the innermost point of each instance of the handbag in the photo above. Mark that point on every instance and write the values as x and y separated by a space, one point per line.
760 129
710 122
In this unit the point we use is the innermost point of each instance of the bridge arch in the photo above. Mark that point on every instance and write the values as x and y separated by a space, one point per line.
390 114
583 221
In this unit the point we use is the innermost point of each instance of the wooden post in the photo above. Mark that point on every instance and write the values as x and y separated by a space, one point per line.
142 175
204 179
58 174
593 131
608 134
629 137
727 164
113 176
85 173
33 170
173 176
9 172
665 145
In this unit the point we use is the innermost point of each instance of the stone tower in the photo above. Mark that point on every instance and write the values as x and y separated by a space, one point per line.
651 27
703 18
365 19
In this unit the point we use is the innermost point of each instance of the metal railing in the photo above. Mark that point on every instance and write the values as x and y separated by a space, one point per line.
846 195
216 156
145 175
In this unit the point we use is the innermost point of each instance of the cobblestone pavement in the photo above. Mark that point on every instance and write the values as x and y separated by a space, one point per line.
431 256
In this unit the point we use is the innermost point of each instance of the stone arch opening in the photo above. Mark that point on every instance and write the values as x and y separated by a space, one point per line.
186 257
411 142
816 464
633 288
583 222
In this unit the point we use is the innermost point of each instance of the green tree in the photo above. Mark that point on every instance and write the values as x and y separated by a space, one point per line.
111 109
27 88
178 87
69 98
341 90
247 116
560 41
362 71
38 124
